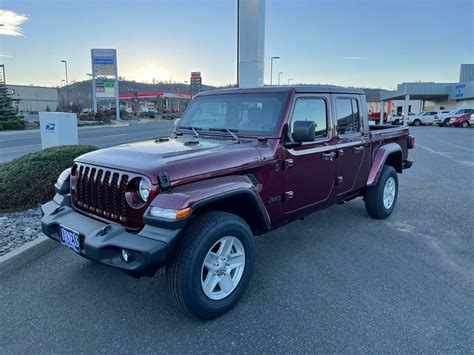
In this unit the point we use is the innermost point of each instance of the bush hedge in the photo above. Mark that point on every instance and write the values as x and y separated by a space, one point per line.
28 181
12 124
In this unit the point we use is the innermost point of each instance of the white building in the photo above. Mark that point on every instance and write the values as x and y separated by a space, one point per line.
436 96
32 99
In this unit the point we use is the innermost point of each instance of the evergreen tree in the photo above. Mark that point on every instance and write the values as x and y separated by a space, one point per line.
7 112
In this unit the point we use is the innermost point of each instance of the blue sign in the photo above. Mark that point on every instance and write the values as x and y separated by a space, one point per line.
103 60
50 127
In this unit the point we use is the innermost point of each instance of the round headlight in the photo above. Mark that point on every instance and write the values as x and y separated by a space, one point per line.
144 189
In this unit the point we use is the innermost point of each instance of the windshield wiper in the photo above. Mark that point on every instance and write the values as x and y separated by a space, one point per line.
237 139
194 129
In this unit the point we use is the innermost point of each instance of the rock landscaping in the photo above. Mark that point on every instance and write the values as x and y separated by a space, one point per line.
17 228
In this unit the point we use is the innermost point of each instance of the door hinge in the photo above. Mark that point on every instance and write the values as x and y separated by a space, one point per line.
339 180
288 163
288 195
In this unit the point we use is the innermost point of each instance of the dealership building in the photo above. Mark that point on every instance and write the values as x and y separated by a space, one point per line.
432 96
32 99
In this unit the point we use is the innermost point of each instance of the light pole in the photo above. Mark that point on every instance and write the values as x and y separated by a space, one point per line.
62 93
92 91
67 83
271 69
289 81
279 76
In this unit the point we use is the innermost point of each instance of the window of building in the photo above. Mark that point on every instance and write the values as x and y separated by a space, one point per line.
348 116
314 110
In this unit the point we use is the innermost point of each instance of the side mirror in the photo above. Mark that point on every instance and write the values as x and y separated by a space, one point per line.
303 131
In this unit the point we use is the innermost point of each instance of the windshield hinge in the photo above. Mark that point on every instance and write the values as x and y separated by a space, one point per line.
164 181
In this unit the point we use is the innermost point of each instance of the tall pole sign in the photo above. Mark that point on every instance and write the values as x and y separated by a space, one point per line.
105 85
251 42
196 82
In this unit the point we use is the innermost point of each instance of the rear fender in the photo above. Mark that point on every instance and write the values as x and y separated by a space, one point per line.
200 194
383 153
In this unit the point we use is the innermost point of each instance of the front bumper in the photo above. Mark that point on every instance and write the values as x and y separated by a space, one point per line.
150 249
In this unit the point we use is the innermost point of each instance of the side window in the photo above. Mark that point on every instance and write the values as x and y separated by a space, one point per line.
347 115
311 110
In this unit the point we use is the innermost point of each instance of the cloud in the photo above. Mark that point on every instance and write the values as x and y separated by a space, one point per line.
5 55
11 23
355 58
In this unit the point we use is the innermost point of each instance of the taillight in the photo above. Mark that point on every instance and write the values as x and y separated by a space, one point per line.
411 141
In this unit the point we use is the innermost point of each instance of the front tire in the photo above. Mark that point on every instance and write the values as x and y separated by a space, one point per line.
416 123
380 199
213 265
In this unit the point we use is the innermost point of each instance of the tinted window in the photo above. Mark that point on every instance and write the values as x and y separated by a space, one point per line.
253 114
348 118
311 110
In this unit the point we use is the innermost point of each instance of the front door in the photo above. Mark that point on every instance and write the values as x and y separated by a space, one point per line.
353 146
310 168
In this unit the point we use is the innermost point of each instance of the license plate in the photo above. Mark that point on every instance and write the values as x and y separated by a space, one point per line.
70 238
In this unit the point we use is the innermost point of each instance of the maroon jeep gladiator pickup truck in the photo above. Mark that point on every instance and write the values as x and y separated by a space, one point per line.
241 162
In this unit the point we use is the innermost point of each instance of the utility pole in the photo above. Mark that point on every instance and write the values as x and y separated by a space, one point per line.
289 81
271 69
67 84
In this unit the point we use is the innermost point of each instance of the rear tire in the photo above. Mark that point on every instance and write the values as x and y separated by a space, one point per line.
447 123
465 124
189 274
380 199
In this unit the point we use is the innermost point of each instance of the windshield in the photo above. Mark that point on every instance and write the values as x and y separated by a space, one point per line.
252 114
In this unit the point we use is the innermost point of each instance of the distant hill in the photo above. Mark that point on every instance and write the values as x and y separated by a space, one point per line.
80 92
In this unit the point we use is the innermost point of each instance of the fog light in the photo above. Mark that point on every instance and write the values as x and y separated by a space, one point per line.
125 255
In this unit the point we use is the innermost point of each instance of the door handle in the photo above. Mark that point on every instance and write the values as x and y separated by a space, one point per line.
328 156
358 149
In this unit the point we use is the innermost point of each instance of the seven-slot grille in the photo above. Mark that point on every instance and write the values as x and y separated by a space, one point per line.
101 192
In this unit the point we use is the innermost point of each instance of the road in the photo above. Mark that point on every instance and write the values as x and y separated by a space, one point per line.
15 144
337 281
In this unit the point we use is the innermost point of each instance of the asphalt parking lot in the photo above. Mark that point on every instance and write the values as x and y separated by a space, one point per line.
336 282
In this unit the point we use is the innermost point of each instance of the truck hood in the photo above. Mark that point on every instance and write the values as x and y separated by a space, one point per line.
181 158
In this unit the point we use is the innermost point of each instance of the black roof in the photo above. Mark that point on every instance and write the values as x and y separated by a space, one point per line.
285 88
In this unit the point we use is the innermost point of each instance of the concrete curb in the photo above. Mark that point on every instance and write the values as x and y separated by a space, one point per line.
26 253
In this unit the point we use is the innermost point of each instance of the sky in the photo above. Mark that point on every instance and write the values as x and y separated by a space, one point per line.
363 43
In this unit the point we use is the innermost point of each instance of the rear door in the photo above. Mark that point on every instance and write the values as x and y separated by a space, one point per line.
310 168
353 145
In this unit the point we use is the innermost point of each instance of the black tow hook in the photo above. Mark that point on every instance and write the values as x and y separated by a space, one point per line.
104 230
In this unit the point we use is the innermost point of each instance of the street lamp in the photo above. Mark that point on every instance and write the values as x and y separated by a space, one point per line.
271 69
67 82
289 81
279 75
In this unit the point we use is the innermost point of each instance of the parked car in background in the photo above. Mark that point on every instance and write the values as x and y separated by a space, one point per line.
461 121
397 119
375 116
441 116
443 120
471 120
423 118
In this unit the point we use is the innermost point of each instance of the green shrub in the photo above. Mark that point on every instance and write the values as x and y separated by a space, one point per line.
12 124
28 181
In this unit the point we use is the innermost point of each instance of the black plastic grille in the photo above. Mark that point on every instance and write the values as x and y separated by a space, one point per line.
102 192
